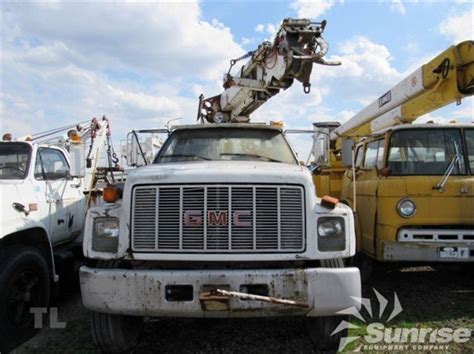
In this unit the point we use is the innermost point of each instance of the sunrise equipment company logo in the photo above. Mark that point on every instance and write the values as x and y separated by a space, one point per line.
381 337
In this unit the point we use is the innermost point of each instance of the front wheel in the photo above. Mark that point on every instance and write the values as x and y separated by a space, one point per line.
320 331
25 283
116 333
365 264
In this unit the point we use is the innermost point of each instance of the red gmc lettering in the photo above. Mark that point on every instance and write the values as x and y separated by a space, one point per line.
215 218
192 218
238 222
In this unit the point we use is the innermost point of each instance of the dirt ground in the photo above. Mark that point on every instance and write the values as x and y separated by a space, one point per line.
429 297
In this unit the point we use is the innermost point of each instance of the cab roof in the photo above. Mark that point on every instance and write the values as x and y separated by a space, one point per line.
227 126
423 126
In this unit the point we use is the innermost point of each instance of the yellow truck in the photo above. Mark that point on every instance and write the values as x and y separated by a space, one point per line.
411 185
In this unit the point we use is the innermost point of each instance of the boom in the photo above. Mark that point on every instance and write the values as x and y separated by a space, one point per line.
271 67
447 78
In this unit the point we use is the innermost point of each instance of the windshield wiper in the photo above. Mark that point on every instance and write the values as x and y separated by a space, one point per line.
187 155
250 155
455 160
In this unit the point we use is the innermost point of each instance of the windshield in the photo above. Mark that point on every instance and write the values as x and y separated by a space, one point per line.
14 159
425 152
226 144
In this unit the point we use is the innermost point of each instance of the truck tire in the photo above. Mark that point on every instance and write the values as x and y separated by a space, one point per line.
116 333
365 265
320 329
25 283
320 332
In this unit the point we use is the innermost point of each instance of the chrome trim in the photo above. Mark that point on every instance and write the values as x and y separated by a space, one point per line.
398 208
435 235
272 229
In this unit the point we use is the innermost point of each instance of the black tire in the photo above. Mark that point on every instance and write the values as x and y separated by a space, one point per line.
25 282
320 331
365 264
115 333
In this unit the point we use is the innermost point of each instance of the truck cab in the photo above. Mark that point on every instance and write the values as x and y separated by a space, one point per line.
414 187
223 207
42 209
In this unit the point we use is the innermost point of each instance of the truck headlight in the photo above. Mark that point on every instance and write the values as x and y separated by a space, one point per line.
105 235
406 207
331 234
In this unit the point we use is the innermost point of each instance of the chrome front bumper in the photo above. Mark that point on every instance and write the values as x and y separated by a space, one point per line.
142 292
428 251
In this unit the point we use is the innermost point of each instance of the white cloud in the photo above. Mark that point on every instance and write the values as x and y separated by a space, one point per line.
260 28
365 73
345 115
157 37
140 64
269 28
463 114
244 42
312 9
44 98
459 28
291 106
397 6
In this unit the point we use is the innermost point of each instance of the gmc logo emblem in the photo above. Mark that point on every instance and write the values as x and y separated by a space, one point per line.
216 218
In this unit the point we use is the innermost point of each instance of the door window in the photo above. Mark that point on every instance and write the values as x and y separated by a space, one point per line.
374 154
50 165
380 154
359 155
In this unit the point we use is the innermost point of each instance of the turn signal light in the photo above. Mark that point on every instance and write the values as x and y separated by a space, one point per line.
329 202
110 194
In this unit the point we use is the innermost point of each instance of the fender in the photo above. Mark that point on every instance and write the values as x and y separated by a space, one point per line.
13 234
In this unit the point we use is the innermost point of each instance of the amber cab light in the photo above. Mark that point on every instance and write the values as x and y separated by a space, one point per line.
329 202
110 194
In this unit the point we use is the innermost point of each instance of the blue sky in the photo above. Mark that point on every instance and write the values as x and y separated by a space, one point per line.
142 63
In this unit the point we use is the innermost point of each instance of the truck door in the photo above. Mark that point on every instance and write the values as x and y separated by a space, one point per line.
367 180
65 203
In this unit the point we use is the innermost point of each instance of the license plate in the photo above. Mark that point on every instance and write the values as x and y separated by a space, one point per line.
454 252
214 302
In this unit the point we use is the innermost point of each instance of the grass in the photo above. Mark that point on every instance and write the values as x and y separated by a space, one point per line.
430 299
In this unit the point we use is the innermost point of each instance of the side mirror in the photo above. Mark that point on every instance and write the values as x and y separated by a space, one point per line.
347 151
138 152
77 156
314 168
321 147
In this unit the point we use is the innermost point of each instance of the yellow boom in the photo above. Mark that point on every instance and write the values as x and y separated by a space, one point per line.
445 79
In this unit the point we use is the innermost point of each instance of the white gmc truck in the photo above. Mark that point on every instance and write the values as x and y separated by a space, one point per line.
224 223
42 217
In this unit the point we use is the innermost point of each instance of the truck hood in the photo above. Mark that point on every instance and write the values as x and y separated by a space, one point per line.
456 186
220 172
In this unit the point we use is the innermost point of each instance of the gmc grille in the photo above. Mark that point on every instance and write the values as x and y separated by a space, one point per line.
218 218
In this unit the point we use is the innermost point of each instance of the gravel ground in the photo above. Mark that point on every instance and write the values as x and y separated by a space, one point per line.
429 298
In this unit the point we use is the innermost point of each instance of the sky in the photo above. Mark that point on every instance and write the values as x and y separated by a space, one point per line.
144 63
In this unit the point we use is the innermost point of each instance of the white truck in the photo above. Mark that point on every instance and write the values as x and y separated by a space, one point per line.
224 223
42 212
43 185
